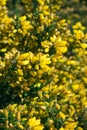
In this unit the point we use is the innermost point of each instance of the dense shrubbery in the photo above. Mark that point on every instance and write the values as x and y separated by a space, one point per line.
43 69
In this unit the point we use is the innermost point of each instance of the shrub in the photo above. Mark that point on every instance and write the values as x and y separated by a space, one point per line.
43 69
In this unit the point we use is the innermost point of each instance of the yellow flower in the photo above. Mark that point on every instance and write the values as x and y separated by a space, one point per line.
78 25
70 124
23 18
23 56
62 115
46 44
53 38
20 31
33 73
79 128
71 110
20 72
46 50
78 34
38 128
41 16
25 62
44 60
62 49
72 62
33 122
75 87
26 25
46 12
60 46
2 2
84 45
21 127
41 2
3 50
61 128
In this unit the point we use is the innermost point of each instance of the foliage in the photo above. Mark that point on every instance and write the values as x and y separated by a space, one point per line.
43 69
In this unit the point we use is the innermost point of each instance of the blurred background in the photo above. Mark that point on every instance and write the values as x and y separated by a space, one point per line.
73 10
15 7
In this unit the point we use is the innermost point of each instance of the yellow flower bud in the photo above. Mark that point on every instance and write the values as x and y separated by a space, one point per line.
18 116
6 113
20 31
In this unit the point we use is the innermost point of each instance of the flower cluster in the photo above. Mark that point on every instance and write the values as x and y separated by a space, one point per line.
43 70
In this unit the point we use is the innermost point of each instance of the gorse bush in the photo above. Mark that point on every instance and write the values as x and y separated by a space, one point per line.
43 69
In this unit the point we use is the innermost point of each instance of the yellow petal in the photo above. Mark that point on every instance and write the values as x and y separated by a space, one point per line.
33 122
38 128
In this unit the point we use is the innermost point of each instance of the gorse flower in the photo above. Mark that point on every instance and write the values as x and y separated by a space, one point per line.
34 124
43 69
3 2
